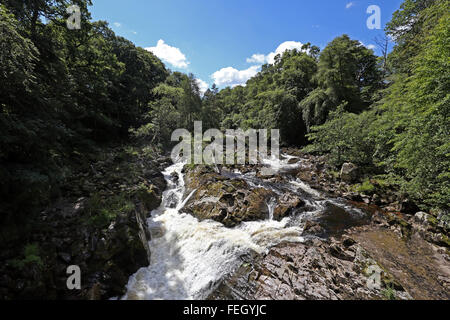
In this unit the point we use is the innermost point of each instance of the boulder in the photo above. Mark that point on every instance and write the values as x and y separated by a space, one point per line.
229 203
288 204
349 172
313 228
232 201
421 217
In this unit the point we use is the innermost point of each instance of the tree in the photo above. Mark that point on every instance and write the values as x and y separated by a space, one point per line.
405 134
18 57
211 113
347 72
30 12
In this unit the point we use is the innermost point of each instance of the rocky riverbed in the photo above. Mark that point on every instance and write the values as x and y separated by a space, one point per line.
351 238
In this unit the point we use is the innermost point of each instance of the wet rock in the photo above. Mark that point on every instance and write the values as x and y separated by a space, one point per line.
232 200
297 272
337 252
174 177
313 228
287 205
171 200
229 204
257 200
348 242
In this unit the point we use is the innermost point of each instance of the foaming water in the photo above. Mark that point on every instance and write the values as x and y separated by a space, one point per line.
276 165
271 205
300 184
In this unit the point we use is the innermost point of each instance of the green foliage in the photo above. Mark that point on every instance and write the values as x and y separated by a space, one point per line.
102 211
302 87
366 187
347 74
177 104
31 256
344 137
271 99
389 293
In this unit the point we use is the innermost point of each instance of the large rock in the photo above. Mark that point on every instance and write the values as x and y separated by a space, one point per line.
296 271
150 197
421 217
232 201
287 205
349 172
228 205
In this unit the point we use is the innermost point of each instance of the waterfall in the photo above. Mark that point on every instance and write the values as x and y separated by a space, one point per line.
271 205
189 257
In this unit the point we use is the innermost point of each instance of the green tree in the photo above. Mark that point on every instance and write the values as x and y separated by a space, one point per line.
347 72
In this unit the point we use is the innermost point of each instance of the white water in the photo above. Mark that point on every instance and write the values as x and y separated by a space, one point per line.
275 165
300 184
271 205
189 257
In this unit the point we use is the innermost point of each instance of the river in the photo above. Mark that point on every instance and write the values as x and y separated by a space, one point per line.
189 257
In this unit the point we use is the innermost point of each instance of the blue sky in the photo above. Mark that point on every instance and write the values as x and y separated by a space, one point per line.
216 39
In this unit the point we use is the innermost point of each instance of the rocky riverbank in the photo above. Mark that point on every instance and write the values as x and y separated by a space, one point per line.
366 263
343 251
99 224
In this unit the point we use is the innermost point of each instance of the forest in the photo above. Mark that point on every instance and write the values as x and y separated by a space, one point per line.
66 92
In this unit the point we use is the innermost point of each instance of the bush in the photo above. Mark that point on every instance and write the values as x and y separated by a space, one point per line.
31 256
366 187
345 137
101 211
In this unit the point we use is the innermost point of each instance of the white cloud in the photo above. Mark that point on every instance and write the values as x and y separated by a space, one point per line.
172 55
233 77
203 86
349 5
285 46
270 58
368 46
257 58
117 24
